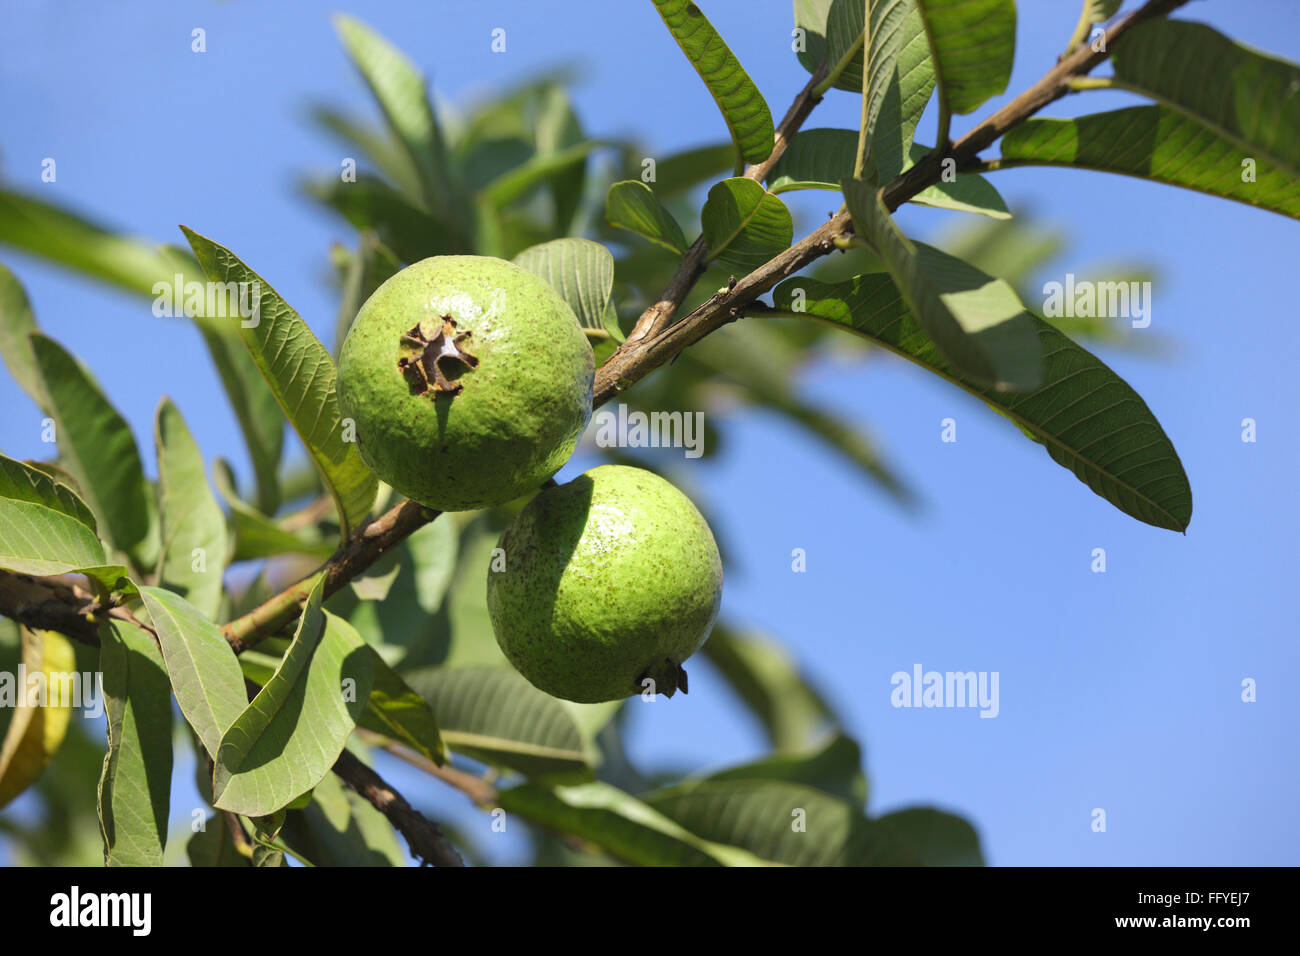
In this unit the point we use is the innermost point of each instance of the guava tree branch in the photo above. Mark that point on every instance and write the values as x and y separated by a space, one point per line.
424 837
693 264
641 354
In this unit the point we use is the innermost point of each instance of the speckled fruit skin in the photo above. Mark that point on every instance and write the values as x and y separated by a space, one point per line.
521 410
605 576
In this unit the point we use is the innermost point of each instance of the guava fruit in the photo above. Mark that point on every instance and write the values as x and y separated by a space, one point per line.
608 580
469 381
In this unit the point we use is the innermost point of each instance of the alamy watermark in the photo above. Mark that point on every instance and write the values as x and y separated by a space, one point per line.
1084 299
83 691
621 428
946 689
218 300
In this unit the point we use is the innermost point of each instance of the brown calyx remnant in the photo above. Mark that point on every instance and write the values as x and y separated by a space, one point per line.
669 677
431 365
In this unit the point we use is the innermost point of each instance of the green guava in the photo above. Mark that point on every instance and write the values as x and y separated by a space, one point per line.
609 580
469 381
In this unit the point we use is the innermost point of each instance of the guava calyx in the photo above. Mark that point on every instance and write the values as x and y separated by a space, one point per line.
668 676
428 364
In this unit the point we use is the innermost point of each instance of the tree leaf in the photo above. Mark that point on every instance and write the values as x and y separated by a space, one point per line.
744 224
36 732
1246 97
932 837
823 158
256 535
20 481
293 731
214 846
397 711
371 266
147 270
205 674
968 192
978 322
517 183
845 23
193 527
834 767
763 816
682 171
632 205
810 17
98 449
16 323
302 378
400 92
1159 144
973 43
743 108
580 270
1087 417
135 786
900 79
37 540
372 204
618 823
493 715
763 675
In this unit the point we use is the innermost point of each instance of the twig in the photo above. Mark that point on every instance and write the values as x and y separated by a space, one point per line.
658 315
479 791
424 837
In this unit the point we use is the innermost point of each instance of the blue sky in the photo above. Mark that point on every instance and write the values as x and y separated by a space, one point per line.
1118 690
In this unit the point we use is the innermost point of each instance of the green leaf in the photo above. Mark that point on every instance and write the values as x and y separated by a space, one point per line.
204 671
98 449
1159 144
302 377
371 266
193 527
214 846
16 323
256 535
397 711
580 270
968 192
743 108
397 599
682 171
493 715
36 732
618 823
135 787
289 736
978 322
1246 97
764 816
20 481
932 837
744 224
517 183
401 93
151 271
763 675
36 539
900 79
372 204
823 158
1088 418
973 43
632 205
389 156
810 17
845 23
835 767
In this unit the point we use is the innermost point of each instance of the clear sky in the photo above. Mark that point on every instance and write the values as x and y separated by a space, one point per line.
1119 690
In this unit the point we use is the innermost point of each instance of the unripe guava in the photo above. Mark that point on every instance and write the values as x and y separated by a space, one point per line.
609 579
469 380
